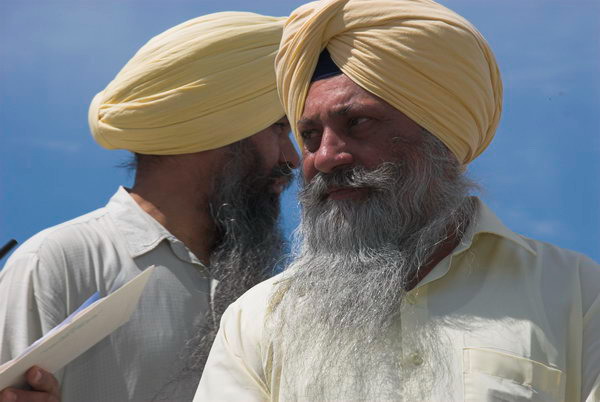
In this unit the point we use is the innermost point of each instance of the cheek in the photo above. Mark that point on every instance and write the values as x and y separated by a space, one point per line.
269 155
373 155
271 159
267 147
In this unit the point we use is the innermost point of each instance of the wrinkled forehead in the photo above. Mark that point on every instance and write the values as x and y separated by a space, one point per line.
339 95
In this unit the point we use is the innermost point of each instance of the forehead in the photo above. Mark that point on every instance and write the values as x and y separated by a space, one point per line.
338 92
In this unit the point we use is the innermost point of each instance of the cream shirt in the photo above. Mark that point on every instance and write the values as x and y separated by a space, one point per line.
55 271
537 335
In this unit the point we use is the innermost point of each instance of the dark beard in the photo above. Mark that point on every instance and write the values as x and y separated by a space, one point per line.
343 292
250 242
248 248
246 211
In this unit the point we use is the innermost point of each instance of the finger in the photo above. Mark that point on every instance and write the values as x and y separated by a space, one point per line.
8 395
19 395
41 380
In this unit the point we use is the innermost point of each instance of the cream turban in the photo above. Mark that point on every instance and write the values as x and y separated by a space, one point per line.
423 59
201 85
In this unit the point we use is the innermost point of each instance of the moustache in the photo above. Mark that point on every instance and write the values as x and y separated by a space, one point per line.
377 179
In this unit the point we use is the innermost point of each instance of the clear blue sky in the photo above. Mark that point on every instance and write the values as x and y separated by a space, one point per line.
540 174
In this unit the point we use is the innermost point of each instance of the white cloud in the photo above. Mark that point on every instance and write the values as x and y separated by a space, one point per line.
55 145
522 221
545 228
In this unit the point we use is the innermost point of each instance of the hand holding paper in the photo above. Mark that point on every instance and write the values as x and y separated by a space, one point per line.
77 333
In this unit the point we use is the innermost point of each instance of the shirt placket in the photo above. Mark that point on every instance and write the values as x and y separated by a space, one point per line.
413 315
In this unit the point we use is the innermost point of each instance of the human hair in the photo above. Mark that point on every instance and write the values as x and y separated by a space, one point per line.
139 164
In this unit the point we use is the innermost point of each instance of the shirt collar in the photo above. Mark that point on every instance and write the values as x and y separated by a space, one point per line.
141 232
485 221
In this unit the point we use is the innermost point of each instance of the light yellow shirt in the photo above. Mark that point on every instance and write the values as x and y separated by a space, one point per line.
537 338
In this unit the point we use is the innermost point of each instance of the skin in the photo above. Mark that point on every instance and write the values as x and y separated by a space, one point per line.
44 385
276 148
343 125
176 192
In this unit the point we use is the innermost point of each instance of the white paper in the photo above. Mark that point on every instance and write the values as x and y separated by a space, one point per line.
70 339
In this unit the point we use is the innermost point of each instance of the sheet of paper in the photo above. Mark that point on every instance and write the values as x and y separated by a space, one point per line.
77 333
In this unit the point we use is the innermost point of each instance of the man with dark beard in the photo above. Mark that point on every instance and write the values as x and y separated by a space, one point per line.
198 107
404 286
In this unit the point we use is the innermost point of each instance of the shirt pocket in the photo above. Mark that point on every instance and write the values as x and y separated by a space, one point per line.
490 375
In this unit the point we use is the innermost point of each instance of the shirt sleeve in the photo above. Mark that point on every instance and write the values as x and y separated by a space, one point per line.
590 272
24 317
27 284
233 371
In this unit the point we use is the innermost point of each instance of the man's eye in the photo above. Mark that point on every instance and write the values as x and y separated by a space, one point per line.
308 134
282 128
311 139
357 120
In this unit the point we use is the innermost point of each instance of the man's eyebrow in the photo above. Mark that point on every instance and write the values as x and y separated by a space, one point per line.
307 121
341 110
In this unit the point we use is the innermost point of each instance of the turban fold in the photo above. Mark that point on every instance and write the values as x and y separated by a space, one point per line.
200 85
421 58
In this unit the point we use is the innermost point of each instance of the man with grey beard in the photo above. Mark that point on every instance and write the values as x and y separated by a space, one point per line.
404 286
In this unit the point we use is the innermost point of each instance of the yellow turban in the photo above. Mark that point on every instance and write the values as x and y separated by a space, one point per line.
201 85
423 59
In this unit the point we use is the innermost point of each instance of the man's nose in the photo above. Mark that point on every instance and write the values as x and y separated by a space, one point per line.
289 155
333 152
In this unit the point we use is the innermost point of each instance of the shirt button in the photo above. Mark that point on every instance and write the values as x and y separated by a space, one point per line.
416 359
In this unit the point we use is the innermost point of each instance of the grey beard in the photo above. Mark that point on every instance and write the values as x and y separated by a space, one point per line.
249 247
341 297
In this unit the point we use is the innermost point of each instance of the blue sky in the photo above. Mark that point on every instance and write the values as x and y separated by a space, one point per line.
540 174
